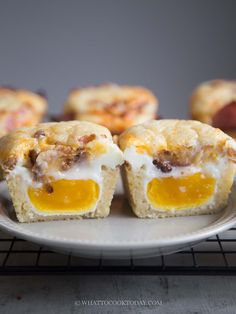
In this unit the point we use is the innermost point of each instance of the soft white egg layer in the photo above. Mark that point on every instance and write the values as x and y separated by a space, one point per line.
138 160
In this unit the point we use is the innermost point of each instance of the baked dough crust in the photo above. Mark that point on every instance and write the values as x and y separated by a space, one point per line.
209 97
19 108
64 137
183 137
16 145
133 182
116 107
180 143
26 213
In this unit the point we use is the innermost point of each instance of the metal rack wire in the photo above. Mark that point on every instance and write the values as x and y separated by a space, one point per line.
215 256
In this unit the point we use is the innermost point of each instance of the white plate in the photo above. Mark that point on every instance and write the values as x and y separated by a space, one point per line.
121 235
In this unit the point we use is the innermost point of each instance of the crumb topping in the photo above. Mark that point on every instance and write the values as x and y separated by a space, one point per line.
60 145
178 142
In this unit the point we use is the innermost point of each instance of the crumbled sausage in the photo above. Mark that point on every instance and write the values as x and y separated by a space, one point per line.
85 139
39 134
127 165
10 163
33 156
80 155
37 172
48 188
70 161
64 150
66 164
164 166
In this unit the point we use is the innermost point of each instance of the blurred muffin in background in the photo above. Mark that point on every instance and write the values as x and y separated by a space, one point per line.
214 102
113 106
19 108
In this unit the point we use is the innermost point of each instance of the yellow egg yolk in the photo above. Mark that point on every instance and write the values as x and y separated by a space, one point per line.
144 149
66 196
180 192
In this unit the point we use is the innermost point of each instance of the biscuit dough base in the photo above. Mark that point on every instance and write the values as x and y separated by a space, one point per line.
133 183
26 213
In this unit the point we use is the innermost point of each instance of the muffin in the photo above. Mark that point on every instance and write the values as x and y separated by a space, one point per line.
214 102
60 170
19 108
177 168
113 106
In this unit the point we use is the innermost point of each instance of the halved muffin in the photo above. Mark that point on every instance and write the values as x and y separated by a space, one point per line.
214 102
60 170
113 106
19 108
177 168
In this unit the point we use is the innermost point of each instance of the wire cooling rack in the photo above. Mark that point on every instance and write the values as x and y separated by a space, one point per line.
215 256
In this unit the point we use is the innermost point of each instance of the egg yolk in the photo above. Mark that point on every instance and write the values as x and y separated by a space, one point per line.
65 196
144 149
180 192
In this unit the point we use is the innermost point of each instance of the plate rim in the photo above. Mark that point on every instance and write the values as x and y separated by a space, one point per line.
223 223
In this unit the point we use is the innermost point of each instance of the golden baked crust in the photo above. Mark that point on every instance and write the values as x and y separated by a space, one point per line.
20 108
184 140
76 150
116 107
209 97
60 136
156 149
